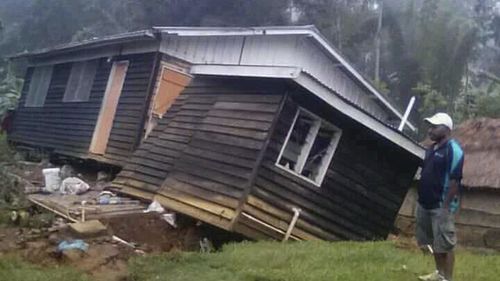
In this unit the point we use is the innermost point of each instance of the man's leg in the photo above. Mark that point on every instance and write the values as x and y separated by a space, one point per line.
449 264
445 263
444 243
425 236
440 260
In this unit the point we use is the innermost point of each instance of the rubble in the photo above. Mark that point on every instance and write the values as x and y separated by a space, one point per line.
73 185
92 228
67 171
154 207
115 228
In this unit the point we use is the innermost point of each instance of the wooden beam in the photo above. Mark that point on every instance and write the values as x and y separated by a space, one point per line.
193 212
147 101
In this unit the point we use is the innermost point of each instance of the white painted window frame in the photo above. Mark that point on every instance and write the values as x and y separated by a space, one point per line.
77 92
39 86
306 149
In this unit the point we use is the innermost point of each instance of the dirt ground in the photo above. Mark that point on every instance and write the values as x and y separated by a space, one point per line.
102 261
105 258
35 237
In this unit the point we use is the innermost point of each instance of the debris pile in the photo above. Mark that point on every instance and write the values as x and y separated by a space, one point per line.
57 215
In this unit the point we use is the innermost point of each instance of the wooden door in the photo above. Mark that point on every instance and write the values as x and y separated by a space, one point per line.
108 107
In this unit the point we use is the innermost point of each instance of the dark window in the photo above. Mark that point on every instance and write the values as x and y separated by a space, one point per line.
80 81
39 86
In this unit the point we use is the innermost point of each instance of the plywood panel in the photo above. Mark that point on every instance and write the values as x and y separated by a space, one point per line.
171 85
108 108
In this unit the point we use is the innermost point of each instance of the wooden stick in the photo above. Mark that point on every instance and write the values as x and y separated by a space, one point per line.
52 210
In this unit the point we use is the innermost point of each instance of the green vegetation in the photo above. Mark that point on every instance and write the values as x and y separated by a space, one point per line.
8 187
435 50
10 90
13 269
6 153
274 261
9 191
271 261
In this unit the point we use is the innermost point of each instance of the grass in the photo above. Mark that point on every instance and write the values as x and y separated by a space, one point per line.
14 269
273 261
6 154
301 261
10 194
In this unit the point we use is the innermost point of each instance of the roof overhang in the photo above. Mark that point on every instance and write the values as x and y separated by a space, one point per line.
143 35
308 30
152 35
246 70
318 89
361 116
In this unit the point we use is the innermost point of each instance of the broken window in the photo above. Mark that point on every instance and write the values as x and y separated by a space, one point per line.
309 147
39 86
80 81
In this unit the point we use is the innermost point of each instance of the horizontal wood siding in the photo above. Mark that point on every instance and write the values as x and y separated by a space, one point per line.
131 108
67 127
200 157
359 198
60 125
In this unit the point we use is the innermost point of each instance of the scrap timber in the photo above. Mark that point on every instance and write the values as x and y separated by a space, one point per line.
71 208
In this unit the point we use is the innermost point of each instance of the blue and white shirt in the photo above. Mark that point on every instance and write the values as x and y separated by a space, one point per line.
441 164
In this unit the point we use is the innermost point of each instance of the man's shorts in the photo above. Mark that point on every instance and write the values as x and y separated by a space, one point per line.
436 227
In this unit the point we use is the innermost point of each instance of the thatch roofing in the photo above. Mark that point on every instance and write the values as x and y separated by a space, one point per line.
480 140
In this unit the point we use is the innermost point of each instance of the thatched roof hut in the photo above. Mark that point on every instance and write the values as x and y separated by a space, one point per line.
478 219
480 140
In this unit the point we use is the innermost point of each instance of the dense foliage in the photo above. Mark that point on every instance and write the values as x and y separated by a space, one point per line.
445 50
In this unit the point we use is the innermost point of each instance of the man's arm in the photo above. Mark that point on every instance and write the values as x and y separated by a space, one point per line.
453 191
455 164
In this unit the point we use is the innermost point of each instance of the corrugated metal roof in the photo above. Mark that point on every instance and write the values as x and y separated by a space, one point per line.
301 48
307 30
95 42
317 88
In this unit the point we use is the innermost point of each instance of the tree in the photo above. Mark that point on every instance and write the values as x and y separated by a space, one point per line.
10 90
426 46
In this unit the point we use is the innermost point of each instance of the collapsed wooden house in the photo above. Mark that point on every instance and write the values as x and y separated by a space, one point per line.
478 220
243 128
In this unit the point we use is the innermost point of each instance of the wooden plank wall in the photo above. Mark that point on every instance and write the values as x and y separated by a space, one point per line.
358 200
67 127
131 108
200 157
150 164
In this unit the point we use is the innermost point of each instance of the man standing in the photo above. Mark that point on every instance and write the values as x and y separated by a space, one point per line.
438 196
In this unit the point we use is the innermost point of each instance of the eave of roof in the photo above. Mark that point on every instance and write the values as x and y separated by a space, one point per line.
91 43
307 30
315 87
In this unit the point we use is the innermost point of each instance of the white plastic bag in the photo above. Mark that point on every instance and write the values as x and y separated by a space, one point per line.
74 186
52 179
66 172
170 218
154 207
